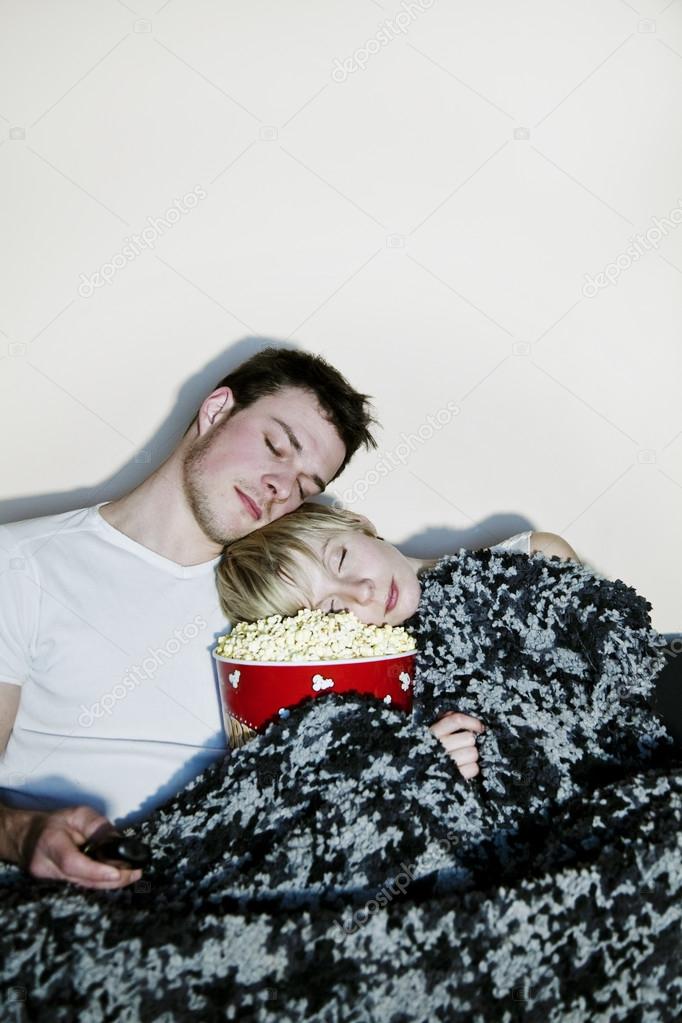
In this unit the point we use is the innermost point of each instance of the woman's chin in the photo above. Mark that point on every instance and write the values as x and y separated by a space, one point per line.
412 598
405 609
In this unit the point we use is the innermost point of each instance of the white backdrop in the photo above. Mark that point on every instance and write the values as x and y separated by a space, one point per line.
472 209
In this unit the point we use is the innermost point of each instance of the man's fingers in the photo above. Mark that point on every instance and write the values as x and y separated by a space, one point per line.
76 866
469 770
125 877
59 858
68 864
50 849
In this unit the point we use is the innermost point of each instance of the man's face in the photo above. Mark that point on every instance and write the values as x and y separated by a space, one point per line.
253 466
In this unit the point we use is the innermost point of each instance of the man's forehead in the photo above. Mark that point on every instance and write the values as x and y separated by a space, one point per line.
293 406
298 413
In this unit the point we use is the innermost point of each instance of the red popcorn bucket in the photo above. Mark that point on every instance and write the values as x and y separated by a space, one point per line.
255 692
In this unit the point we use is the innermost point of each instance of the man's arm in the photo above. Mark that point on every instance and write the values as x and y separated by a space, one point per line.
10 820
551 544
10 696
46 844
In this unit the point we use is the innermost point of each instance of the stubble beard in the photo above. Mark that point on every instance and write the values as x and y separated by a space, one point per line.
196 493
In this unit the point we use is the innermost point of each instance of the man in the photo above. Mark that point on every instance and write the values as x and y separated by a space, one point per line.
108 704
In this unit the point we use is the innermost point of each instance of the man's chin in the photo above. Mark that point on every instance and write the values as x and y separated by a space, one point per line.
223 532
220 533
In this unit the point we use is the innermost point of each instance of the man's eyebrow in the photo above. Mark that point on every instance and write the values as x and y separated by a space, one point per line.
296 445
293 439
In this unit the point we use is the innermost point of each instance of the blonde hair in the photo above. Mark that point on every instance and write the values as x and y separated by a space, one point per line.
264 572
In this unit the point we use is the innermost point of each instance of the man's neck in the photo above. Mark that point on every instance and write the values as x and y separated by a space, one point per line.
156 514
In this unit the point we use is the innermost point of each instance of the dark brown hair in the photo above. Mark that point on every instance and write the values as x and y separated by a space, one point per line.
272 369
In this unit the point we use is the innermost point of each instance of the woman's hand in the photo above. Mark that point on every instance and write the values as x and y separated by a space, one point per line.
456 733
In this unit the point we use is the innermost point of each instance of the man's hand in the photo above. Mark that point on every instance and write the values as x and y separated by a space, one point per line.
456 732
46 846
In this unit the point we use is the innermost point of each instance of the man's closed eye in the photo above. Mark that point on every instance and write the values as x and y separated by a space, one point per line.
278 454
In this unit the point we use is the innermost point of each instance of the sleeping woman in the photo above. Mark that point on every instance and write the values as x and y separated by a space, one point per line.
342 793
321 557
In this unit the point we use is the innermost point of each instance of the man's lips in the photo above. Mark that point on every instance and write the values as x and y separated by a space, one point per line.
393 595
250 505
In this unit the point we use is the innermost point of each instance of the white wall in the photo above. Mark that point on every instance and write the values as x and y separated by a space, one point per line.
426 222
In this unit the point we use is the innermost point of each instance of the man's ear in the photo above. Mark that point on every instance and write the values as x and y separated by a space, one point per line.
215 409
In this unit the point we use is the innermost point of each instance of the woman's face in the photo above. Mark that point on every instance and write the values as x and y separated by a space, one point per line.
364 575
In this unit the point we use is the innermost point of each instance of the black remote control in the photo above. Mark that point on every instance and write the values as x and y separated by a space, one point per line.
109 845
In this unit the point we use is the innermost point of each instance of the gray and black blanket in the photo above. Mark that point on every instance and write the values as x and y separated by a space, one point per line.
339 867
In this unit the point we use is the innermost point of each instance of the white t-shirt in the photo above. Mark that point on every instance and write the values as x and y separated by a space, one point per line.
111 644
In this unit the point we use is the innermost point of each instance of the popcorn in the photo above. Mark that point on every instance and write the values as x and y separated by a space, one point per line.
312 636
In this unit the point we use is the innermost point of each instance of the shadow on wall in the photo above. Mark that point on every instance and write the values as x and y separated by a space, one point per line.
437 541
431 542
152 454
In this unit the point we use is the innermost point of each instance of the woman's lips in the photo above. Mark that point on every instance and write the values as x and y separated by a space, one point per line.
393 595
250 505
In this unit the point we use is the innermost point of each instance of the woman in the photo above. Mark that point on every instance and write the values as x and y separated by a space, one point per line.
332 559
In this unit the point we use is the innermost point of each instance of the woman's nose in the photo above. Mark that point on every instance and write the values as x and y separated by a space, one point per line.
364 591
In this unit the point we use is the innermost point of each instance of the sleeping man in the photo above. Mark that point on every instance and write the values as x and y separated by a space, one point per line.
107 699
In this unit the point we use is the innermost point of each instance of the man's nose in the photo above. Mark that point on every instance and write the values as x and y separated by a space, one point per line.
279 486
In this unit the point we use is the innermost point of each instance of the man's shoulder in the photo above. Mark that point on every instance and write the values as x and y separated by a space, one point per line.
25 537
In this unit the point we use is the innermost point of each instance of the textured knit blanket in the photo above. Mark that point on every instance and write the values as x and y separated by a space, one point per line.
339 867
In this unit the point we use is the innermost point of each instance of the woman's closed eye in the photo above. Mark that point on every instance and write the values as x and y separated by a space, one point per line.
332 606
343 555
333 609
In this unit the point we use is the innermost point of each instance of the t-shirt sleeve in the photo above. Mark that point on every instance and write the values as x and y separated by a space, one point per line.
19 607
520 543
